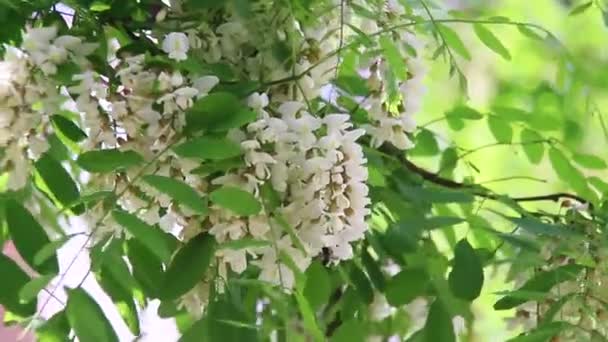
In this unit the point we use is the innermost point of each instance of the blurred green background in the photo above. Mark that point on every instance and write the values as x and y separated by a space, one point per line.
566 83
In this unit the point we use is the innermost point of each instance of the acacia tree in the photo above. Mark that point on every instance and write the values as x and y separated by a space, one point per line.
251 164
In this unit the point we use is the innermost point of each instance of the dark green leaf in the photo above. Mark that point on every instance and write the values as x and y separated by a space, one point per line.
208 148
59 182
56 329
218 111
350 331
68 128
87 319
426 144
179 191
353 85
121 296
438 325
362 284
491 41
466 277
103 161
218 166
151 237
188 267
373 269
13 279
147 268
29 237
239 201
406 286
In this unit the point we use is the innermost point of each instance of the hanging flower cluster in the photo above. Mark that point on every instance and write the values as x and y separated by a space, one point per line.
29 95
300 145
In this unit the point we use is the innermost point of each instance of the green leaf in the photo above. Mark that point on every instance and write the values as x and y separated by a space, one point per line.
425 144
244 243
308 317
30 291
395 61
435 222
318 285
438 325
179 191
501 129
87 319
59 182
238 201
373 269
188 267
214 166
150 236
110 160
542 333
13 279
350 331
68 128
464 113
541 282
29 237
533 150
466 277
208 148
434 195
354 85
538 227
49 250
598 184
580 8
453 40
147 268
56 329
565 170
526 31
406 286
362 284
219 111
120 295
491 41
100 6
589 161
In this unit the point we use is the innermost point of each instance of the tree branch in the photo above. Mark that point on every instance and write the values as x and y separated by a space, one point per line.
448 183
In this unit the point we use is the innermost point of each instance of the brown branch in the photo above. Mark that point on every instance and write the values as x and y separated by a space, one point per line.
448 183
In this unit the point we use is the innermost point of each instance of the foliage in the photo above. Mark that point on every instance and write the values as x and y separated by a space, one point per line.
256 166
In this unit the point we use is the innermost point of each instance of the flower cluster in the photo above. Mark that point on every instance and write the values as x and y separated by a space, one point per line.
29 95
300 146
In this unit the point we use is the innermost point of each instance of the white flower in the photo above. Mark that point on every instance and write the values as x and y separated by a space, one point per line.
176 44
38 146
205 84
